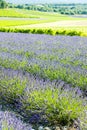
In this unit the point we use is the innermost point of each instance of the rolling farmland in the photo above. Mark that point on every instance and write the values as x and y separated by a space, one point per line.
27 20
43 78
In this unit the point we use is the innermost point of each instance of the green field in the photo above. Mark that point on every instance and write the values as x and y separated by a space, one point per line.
22 13
21 19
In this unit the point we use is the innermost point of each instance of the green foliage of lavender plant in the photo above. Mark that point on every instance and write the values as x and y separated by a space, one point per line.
13 64
9 63
53 104
34 69
11 89
75 79
59 107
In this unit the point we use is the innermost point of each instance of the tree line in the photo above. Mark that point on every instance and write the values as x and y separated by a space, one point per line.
69 9
3 4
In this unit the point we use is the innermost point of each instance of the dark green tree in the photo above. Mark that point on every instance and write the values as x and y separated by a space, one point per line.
3 4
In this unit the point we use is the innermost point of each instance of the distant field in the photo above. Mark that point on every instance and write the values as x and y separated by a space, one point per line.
10 23
22 13
15 13
63 23
78 25
26 19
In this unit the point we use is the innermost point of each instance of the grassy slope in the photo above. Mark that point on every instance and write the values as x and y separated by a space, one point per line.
35 17
27 13
41 16
15 13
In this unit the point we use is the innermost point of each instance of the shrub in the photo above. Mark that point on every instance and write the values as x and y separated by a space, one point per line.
11 89
57 106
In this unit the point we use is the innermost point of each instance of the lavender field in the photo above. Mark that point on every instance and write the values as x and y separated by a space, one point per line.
44 79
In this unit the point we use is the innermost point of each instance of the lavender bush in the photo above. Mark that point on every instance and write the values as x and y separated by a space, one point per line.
59 107
41 102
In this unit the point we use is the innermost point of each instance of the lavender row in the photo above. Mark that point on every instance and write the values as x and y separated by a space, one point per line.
45 46
46 53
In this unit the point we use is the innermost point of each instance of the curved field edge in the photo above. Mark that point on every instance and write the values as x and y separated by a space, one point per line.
60 31
23 13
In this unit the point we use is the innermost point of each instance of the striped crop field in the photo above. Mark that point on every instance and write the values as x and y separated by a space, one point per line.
43 78
18 20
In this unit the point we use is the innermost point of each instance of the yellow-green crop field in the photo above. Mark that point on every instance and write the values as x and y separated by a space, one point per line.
21 19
